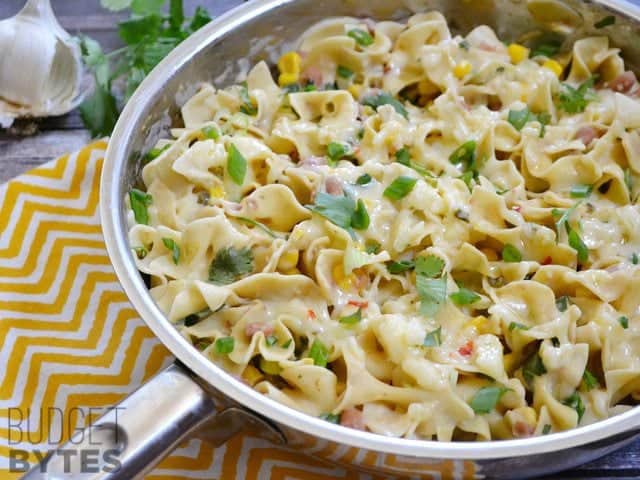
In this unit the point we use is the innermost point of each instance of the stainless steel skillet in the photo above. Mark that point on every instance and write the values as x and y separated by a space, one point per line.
194 394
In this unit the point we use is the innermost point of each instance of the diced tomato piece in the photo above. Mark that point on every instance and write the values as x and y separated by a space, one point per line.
359 304
547 261
311 314
467 349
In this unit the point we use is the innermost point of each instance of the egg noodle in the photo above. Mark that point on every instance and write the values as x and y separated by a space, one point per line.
408 232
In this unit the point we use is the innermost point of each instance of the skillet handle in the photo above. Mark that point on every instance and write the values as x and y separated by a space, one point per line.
128 441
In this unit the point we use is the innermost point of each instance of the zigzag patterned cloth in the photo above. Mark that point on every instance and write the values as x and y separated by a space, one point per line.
71 345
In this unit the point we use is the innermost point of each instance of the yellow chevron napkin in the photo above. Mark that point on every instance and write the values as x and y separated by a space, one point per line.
70 343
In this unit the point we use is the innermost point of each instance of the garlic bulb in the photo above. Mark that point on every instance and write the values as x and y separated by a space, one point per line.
40 65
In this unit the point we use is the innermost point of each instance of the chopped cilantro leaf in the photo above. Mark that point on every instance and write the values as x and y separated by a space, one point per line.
433 339
562 303
364 179
589 380
319 353
575 402
519 326
384 98
577 244
575 100
429 266
400 267
352 319
432 292
581 191
330 417
623 321
464 296
344 72
533 367
487 398
230 264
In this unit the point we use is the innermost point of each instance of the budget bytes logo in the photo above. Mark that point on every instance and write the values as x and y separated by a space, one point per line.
91 450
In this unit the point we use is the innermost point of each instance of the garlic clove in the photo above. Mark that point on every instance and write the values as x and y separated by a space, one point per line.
41 70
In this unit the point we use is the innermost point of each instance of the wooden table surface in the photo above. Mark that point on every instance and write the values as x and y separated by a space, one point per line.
56 136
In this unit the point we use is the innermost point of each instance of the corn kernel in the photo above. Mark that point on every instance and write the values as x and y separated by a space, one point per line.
289 63
289 66
355 89
518 53
216 192
288 78
462 69
554 66
288 260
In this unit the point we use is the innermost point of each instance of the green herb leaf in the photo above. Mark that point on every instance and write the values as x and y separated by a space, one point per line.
432 292
319 353
628 180
555 342
372 247
589 380
344 72
429 266
287 343
465 153
141 252
516 325
236 165
139 201
197 317
578 245
464 296
575 402
575 100
533 367
352 319
337 209
581 191
546 49
363 179
211 133
362 38
99 112
605 22
464 45
330 417
519 118
247 107
563 303
400 187
400 267
546 429
544 118
259 225
563 216
384 98
170 244
360 218
155 153
433 339
224 345
487 398
271 340
624 321
635 259
403 156
336 151
230 264
511 254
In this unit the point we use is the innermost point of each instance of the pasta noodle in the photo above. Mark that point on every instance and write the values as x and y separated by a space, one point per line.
410 232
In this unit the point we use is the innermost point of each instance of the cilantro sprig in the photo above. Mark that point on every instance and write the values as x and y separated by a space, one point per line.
230 264
149 35
431 284
342 211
